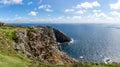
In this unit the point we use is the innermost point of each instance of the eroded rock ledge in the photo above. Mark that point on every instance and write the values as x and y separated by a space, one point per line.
40 43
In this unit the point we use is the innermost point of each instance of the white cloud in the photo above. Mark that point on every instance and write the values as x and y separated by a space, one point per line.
80 12
115 13
87 5
96 11
33 13
76 17
49 10
64 19
96 4
84 5
115 5
41 20
46 7
17 1
69 10
8 2
74 11
99 15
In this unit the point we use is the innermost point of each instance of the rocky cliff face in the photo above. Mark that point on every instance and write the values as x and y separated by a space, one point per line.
61 37
40 43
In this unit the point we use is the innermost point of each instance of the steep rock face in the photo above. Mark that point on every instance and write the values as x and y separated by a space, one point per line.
40 43
61 37
21 40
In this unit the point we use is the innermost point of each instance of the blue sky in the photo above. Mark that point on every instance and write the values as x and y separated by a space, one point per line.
60 11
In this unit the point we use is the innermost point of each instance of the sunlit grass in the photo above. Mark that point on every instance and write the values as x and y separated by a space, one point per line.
7 31
7 61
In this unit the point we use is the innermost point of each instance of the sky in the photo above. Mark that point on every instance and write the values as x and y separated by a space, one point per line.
60 11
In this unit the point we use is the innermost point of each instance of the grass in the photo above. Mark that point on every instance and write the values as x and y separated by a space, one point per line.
8 31
7 61
10 58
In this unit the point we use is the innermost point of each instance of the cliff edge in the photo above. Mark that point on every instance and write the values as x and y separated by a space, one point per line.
38 43
60 36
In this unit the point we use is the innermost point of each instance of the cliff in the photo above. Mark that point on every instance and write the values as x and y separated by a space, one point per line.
37 43
60 36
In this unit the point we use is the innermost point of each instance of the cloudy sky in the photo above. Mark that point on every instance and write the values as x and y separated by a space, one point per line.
60 11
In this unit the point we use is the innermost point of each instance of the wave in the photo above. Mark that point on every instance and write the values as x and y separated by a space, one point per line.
72 41
107 60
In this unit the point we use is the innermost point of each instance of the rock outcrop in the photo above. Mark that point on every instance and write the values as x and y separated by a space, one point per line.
60 36
1 23
40 43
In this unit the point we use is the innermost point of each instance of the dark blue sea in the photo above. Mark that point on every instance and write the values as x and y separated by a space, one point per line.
91 42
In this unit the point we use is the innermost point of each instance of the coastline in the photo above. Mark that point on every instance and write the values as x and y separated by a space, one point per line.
33 36
39 43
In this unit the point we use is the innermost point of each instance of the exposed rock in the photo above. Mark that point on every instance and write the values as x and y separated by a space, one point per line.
61 37
1 23
40 43
21 40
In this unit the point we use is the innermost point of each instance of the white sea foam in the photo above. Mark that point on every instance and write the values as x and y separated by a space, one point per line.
72 41
59 43
81 57
107 60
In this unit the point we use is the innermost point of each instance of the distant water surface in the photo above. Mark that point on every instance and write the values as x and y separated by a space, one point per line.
92 42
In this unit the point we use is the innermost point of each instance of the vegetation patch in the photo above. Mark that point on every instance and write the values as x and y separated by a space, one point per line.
7 31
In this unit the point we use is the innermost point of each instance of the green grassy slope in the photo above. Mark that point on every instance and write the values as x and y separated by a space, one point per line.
10 58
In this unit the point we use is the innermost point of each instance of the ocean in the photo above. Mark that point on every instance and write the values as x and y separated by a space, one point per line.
91 42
